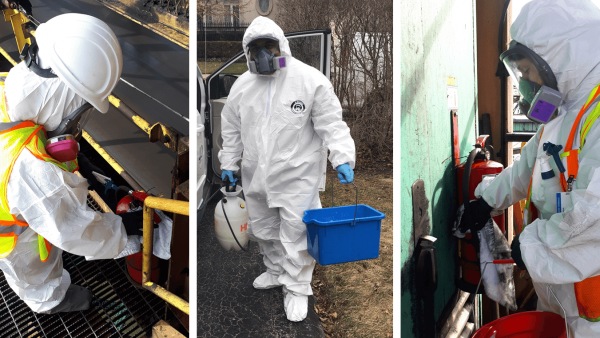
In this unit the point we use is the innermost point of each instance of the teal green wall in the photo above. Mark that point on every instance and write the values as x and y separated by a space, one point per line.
437 43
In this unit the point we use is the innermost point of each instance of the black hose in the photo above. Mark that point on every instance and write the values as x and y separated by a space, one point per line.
467 175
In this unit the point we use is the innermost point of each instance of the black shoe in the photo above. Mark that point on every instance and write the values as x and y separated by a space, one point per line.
77 298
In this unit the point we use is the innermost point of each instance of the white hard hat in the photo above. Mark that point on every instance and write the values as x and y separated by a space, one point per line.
84 53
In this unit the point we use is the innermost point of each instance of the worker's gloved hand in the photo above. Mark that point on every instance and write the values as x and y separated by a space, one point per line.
228 175
345 173
476 215
134 222
515 249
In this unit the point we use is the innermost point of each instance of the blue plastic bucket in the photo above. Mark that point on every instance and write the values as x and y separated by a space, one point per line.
335 235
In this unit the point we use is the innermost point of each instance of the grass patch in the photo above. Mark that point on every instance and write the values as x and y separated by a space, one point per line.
209 67
355 299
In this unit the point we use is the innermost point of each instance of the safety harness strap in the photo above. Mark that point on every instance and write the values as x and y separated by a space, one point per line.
571 154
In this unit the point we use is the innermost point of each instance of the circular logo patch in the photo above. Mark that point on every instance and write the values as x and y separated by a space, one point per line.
298 107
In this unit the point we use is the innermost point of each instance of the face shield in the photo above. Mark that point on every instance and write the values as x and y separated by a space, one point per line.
265 56
535 80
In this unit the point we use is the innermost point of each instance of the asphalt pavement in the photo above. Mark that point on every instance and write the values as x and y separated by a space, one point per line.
228 305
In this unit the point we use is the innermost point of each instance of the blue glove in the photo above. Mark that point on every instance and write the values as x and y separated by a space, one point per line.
345 173
228 174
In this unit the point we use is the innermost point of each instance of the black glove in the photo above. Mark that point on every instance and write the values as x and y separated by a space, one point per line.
476 215
134 222
515 248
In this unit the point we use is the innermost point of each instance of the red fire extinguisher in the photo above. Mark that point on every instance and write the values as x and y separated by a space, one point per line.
469 175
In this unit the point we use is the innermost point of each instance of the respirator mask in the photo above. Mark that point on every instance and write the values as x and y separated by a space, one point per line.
62 142
535 80
262 60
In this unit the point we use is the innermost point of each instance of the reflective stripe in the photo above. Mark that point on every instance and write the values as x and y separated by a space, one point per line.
8 125
7 243
44 248
3 110
13 229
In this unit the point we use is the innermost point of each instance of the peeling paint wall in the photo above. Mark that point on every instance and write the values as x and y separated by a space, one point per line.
437 49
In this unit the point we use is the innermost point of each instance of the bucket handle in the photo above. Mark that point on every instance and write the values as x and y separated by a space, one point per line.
485 264
512 261
355 200
563 310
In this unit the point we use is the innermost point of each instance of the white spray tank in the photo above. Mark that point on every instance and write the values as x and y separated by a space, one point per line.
231 219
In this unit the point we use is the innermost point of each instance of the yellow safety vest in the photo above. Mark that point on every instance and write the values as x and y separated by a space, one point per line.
14 138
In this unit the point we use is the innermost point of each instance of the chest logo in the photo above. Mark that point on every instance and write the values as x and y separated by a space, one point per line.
298 107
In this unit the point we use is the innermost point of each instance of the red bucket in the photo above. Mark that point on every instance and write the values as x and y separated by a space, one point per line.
134 267
530 324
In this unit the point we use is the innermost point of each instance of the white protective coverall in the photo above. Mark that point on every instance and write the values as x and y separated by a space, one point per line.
50 200
284 154
559 248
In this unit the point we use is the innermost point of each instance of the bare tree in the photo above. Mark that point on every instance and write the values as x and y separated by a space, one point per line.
220 10
361 63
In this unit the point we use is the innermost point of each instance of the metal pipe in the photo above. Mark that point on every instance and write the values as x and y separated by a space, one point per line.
460 323
169 297
128 112
469 328
460 303
169 205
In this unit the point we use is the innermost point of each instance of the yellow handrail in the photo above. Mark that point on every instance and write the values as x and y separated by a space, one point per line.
169 205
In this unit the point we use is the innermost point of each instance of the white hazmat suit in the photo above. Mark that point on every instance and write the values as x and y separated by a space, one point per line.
52 201
280 126
559 248
85 66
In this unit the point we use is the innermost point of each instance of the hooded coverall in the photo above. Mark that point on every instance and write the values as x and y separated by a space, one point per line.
281 126
559 248
52 201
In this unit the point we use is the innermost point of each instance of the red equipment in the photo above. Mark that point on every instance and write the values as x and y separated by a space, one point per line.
525 324
470 174
133 201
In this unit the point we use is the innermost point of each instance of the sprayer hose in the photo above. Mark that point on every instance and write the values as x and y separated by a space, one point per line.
230 228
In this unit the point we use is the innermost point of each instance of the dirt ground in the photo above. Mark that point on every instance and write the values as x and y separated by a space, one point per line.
355 299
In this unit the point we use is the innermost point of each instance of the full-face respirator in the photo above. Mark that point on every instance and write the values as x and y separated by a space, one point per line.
62 142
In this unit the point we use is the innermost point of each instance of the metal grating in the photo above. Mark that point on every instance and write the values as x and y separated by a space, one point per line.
119 309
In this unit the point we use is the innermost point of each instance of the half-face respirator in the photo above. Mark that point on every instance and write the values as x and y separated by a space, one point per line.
535 80
266 62
62 142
